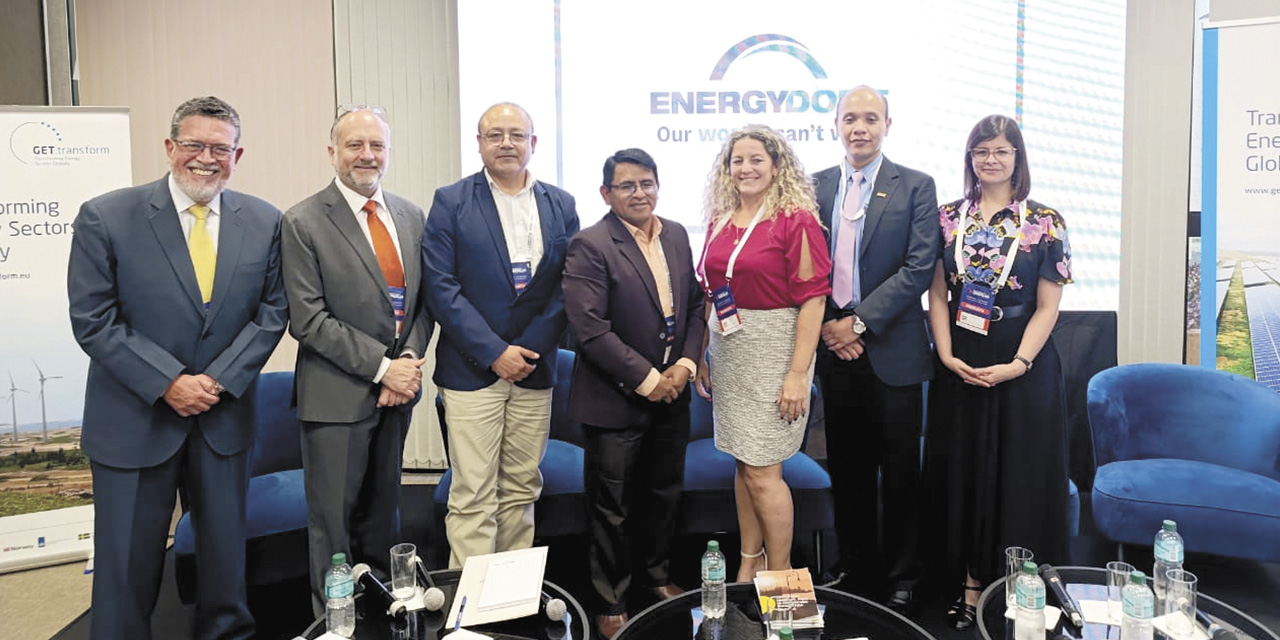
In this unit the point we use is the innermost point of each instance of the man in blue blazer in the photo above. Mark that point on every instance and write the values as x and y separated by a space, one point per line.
176 296
882 225
493 254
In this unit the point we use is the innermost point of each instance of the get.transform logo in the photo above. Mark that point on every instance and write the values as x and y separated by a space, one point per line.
40 143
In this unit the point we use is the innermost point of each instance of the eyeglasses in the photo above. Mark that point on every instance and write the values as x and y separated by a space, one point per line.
1003 154
195 148
344 109
495 137
627 188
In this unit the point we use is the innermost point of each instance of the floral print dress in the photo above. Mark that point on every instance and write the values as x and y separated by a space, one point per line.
996 458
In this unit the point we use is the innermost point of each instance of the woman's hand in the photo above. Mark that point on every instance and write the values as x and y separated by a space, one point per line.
791 402
702 381
966 373
995 374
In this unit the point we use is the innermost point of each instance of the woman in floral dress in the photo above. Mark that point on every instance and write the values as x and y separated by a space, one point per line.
996 445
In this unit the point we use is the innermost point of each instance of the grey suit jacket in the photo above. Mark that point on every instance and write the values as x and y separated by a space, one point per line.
900 242
339 307
136 311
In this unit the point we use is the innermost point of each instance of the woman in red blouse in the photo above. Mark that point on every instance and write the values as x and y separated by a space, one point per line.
765 265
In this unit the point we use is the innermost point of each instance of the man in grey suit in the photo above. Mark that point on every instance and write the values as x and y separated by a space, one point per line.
354 308
175 295
882 223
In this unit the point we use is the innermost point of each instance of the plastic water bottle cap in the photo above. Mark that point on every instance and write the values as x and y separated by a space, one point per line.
1138 577
339 558
712 545
1029 567
1170 525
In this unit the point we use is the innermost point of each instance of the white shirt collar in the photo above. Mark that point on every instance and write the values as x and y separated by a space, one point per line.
182 201
356 201
529 181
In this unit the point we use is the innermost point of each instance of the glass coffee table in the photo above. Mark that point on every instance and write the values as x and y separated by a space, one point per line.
373 623
993 624
847 616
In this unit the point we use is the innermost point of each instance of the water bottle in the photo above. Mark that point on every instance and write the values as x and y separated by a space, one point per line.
339 598
713 596
1029 621
1168 553
1138 609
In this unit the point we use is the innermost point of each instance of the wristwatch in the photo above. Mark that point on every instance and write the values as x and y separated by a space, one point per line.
859 327
1023 360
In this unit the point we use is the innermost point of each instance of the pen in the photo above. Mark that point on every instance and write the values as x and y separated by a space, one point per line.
457 622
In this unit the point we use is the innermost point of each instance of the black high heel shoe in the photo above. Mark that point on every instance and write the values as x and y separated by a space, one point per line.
962 616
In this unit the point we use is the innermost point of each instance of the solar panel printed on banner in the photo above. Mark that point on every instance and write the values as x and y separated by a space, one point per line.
1263 302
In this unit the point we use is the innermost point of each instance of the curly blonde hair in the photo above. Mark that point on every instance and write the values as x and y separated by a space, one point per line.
790 191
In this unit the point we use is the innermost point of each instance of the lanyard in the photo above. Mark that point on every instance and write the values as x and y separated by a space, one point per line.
733 257
1021 209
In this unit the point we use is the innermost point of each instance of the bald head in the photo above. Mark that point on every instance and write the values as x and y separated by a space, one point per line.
506 142
863 120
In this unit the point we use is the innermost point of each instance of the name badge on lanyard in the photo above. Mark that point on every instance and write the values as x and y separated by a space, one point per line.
722 298
977 300
397 306
521 273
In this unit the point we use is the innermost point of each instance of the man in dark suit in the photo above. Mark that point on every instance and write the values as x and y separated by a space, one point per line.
354 308
493 255
882 222
638 313
175 295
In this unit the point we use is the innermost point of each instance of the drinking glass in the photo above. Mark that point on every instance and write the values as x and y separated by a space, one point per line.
404 577
1117 577
1180 605
1015 557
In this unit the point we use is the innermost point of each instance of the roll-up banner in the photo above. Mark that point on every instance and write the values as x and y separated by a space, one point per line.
1240 221
52 159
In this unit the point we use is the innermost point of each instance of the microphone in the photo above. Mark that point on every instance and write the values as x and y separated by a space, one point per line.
1215 631
364 577
1069 606
558 614
434 598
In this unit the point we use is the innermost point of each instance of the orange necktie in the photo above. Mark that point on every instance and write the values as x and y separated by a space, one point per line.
388 259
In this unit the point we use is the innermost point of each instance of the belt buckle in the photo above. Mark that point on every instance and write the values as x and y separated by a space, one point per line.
997 314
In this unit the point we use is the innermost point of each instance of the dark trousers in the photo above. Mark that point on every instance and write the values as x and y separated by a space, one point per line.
873 455
131 527
633 479
351 472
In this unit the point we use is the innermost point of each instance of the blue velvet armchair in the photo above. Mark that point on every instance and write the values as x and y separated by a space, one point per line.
276 509
1190 444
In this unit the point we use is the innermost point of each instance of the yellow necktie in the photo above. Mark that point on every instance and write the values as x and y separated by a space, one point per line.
203 255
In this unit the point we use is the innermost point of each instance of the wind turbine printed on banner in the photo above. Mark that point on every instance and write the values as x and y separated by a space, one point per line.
44 420
13 400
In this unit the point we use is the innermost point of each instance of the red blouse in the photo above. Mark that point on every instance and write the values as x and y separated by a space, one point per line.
767 272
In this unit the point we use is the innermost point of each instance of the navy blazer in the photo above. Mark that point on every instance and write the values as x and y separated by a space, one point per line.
469 290
136 310
612 302
900 242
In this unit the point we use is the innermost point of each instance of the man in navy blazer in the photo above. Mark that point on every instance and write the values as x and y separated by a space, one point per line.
493 253
173 355
639 314
875 353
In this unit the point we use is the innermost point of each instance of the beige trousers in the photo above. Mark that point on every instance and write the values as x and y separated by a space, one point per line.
497 437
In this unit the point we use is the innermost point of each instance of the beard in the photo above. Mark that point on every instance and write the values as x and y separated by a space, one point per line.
202 191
